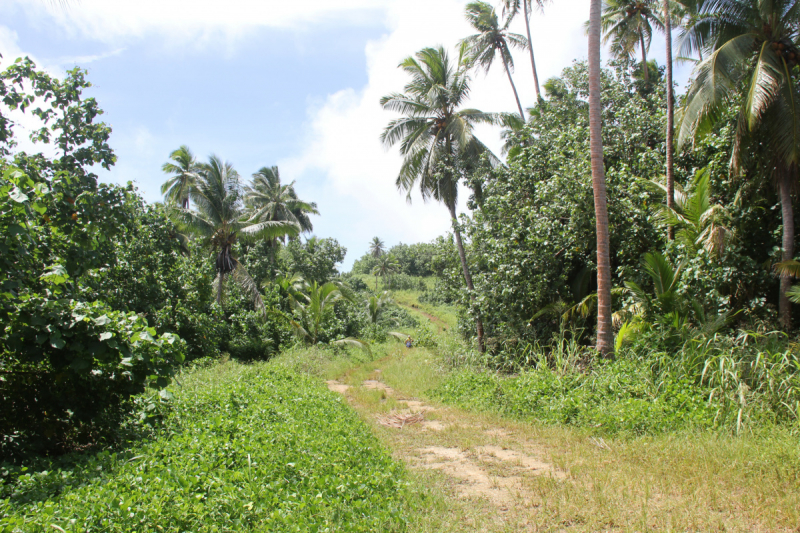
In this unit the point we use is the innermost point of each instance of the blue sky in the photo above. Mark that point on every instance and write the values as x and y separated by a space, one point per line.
269 83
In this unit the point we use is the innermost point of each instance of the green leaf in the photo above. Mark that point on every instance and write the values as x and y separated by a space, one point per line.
17 195
102 320
106 335
56 341
57 275
16 229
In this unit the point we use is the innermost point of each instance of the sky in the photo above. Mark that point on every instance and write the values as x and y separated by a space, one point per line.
293 84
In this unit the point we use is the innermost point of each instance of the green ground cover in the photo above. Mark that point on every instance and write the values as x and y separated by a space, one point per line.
242 448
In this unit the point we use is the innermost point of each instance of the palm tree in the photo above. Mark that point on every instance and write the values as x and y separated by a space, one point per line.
699 222
220 220
314 305
693 36
177 189
510 9
312 308
491 41
670 117
753 53
376 247
628 24
435 136
375 304
387 265
270 200
605 333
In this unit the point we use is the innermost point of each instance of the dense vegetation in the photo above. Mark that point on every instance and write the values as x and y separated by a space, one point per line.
606 277
104 295
244 448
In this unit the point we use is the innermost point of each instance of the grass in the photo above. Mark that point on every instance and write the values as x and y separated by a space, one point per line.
441 316
265 447
677 481
243 448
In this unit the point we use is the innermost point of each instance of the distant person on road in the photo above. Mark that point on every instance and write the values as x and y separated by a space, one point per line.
409 342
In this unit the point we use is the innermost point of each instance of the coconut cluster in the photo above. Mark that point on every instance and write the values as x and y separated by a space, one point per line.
787 51
639 7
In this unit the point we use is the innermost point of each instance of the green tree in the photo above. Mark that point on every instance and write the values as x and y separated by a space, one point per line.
535 232
220 220
693 37
752 59
313 306
493 40
314 260
511 8
628 24
269 200
605 333
387 265
70 360
435 135
183 168
376 247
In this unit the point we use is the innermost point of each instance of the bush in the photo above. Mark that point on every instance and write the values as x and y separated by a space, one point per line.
244 448
71 355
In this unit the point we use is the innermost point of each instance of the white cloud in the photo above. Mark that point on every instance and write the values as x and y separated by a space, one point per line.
193 23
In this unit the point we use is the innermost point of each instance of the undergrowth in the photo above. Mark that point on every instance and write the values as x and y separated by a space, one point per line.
243 448
733 384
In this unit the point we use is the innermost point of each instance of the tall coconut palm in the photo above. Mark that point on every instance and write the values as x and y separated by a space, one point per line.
628 24
605 333
435 135
183 167
670 117
510 10
491 41
220 220
270 200
376 247
753 52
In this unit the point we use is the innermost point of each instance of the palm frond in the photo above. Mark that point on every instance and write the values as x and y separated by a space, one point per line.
350 341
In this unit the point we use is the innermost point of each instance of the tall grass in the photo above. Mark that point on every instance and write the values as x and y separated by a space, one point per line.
748 376
732 382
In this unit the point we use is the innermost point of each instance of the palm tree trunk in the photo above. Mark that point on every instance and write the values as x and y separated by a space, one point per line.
220 288
605 333
514 87
644 59
467 277
530 47
670 119
787 253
